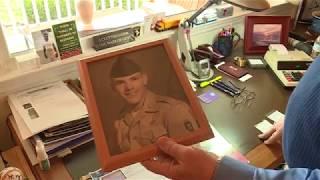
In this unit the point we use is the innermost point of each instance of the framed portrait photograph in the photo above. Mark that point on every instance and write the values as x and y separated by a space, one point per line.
261 31
136 95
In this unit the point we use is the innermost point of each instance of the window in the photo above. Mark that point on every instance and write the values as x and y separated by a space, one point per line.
19 17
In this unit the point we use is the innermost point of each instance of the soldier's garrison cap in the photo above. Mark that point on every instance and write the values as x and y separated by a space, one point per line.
124 66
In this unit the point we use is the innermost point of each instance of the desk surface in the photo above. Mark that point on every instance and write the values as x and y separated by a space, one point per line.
235 124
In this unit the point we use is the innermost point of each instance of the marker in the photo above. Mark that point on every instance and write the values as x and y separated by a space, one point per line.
206 83
236 92
221 88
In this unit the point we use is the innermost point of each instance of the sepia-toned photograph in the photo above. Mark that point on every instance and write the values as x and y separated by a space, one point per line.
265 34
136 96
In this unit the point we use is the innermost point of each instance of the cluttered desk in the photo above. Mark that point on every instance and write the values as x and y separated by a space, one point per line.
234 116
234 120
226 111
237 110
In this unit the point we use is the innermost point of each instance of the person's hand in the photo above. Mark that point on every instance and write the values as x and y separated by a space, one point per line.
274 134
182 162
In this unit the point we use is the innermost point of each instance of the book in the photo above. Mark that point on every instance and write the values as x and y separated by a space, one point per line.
232 70
67 39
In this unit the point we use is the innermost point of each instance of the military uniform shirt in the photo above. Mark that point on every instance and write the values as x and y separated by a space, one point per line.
157 116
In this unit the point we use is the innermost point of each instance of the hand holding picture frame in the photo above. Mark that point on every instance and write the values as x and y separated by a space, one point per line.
261 31
136 95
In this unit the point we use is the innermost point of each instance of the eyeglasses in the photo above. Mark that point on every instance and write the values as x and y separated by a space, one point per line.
245 97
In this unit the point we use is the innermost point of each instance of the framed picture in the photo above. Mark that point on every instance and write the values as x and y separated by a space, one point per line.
260 31
136 95
45 45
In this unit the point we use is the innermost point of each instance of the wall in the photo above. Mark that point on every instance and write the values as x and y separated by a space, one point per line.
66 70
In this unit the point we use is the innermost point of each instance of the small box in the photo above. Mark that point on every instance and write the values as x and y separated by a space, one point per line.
224 10
27 61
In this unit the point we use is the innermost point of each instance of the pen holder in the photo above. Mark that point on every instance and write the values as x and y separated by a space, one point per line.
225 44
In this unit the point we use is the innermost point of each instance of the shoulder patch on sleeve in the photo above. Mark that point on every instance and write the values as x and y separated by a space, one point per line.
188 126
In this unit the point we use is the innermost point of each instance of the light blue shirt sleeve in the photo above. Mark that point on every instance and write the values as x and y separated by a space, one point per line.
229 168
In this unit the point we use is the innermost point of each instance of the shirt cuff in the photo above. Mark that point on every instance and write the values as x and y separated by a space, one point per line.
229 168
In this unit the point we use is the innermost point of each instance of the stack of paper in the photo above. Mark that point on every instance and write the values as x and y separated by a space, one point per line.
44 107
52 113
64 136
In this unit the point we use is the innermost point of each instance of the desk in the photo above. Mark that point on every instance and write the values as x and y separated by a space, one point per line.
236 125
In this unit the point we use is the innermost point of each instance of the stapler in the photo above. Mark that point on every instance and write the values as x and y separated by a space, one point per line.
207 51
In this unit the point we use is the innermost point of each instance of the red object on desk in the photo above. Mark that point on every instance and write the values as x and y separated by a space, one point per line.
232 70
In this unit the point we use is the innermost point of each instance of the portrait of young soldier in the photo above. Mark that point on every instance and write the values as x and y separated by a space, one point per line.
146 115
49 48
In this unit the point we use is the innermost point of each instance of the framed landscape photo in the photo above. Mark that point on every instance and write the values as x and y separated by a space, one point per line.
136 95
261 31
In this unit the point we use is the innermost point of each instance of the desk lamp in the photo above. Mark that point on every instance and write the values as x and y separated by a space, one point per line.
200 70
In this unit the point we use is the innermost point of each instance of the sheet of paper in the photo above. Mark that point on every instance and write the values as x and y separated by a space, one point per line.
137 171
280 48
23 132
255 61
263 126
115 175
48 106
276 116
245 77
61 142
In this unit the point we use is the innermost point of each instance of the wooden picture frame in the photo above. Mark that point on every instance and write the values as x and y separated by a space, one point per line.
256 27
166 80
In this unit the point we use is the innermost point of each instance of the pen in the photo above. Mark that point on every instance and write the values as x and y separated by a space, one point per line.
219 83
235 91
219 87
